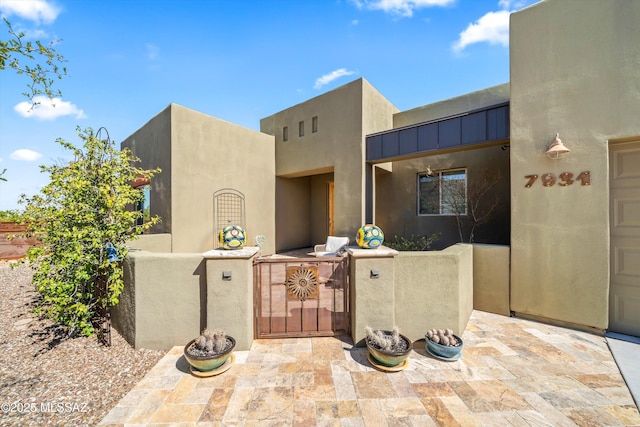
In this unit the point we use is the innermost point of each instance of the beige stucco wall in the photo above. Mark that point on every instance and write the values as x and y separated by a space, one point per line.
491 278
397 198
162 304
345 116
449 107
372 300
415 291
200 155
208 155
160 242
152 145
230 302
434 289
575 69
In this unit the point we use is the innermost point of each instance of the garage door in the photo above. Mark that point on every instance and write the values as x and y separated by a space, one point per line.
624 203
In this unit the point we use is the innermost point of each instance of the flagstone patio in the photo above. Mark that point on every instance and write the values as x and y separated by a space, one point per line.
513 372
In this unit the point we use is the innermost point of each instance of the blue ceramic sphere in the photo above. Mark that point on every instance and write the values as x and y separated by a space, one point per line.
232 237
369 236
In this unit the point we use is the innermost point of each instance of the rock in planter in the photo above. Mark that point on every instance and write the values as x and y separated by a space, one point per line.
210 353
388 349
443 344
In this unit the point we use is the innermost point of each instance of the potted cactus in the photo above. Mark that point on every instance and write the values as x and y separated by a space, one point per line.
443 344
210 353
388 350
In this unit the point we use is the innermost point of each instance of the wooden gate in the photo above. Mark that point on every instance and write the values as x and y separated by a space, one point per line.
301 297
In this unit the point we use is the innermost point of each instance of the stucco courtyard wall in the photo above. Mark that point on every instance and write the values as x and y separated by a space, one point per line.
164 299
415 291
575 69
434 289
170 297
158 242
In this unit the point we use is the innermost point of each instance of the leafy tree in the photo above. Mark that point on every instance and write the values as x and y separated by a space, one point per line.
86 206
22 56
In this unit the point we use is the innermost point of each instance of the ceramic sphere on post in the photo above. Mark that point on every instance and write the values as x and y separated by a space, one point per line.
232 237
369 236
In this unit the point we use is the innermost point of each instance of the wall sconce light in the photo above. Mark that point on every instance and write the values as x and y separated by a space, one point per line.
556 149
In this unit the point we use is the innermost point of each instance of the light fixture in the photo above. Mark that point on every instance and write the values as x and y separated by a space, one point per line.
556 149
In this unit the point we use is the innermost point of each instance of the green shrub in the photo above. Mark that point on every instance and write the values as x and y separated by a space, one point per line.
419 243
86 205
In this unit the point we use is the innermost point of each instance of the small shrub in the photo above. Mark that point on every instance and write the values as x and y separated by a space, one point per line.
414 243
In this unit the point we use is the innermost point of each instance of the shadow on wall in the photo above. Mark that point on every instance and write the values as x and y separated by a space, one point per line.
201 272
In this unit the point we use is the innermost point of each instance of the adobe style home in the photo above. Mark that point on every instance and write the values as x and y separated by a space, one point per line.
567 220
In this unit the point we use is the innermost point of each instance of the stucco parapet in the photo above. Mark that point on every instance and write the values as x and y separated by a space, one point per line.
141 253
380 252
453 250
244 253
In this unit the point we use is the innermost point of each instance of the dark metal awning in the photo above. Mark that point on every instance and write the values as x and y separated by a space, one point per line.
479 127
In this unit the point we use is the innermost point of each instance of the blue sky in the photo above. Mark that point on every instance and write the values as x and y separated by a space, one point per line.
236 60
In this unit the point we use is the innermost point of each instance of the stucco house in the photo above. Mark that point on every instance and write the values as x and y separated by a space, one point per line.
350 157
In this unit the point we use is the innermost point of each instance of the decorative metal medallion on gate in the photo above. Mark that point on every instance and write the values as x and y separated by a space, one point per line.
302 283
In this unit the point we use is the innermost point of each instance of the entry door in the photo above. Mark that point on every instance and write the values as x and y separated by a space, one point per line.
330 228
624 205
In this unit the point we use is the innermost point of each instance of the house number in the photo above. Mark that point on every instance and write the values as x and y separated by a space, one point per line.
565 178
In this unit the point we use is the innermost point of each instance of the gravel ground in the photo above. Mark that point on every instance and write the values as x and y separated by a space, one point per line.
48 379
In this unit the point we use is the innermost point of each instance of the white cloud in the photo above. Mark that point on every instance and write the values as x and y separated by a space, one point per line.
492 28
400 7
48 109
25 155
328 78
33 10
512 4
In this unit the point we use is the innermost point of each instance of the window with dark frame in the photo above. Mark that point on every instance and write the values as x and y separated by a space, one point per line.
314 124
442 193
285 133
301 128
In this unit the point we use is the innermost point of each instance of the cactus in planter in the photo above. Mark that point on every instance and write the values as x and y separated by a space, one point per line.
444 344
388 348
211 342
209 353
443 337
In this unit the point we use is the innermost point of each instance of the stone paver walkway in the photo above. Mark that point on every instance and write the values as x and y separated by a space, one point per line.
513 372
